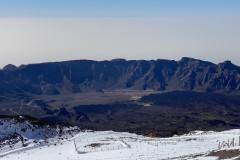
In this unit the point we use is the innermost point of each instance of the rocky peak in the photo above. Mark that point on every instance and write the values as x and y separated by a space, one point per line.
227 65
186 61
118 60
189 59
10 67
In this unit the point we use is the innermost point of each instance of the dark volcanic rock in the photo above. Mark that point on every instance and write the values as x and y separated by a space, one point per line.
63 112
85 75
9 67
80 117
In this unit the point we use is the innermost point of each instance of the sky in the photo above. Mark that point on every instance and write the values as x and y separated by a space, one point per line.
35 31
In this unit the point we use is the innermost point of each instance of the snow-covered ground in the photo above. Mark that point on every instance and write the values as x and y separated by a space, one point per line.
89 145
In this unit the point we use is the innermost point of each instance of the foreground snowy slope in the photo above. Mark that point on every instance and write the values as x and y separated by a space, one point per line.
24 132
73 144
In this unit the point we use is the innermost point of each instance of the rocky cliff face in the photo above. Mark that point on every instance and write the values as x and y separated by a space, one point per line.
85 75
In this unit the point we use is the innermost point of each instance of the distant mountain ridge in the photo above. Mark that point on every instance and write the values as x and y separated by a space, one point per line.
187 74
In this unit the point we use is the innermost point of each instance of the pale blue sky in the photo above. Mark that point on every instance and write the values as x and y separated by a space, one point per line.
33 31
119 8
